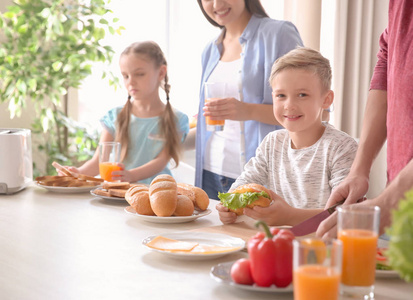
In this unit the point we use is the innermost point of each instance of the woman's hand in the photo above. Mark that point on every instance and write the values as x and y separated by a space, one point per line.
227 109
225 215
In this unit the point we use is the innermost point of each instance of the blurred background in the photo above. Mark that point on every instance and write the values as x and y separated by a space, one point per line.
345 31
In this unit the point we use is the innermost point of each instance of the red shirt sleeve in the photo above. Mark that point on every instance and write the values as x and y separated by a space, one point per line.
379 79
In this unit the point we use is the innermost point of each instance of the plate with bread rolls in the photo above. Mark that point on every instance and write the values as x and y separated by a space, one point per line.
171 220
166 201
194 246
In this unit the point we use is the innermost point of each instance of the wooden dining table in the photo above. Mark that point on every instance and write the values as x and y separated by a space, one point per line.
56 245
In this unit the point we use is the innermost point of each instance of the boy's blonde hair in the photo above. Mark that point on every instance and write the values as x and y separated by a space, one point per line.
304 58
167 125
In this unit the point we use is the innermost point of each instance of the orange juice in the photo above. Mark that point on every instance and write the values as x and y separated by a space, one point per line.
315 282
106 169
213 122
359 256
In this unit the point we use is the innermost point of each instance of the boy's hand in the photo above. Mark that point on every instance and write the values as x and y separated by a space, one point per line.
277 214
226 216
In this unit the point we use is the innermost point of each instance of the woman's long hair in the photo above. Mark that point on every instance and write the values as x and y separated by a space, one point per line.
253 6
167 127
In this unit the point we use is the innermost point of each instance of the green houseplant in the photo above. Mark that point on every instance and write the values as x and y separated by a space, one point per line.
48 47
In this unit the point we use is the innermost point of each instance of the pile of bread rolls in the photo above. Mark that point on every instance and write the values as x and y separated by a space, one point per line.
165 198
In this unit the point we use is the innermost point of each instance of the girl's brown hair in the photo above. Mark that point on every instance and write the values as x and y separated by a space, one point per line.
167 126
253 6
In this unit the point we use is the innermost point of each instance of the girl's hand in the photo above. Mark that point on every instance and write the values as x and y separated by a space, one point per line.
226 216
122 175
227 109
277 214
71 169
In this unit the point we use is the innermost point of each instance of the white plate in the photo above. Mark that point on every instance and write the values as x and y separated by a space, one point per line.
106 197
386 274
67 189
173 219
204 238
222 273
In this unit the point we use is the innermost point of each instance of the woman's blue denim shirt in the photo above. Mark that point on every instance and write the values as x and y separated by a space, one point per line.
263 41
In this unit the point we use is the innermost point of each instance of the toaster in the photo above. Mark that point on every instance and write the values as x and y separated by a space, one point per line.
16 166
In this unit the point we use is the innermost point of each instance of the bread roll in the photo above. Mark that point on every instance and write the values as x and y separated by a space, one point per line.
198 196
138 197
184 206
163 195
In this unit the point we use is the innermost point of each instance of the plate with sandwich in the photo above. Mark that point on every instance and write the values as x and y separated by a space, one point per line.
194 245
114 191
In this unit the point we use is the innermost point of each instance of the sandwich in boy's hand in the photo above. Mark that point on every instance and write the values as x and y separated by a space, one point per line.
247 195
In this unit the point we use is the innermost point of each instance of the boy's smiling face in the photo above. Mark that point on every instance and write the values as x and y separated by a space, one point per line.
298 102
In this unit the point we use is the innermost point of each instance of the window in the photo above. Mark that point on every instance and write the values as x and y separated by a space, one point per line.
182 32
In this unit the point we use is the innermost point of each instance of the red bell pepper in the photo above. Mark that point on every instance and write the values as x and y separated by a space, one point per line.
271 256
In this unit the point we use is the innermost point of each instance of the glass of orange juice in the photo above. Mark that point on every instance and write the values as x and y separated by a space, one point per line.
316 268
109 156
214 91
358 228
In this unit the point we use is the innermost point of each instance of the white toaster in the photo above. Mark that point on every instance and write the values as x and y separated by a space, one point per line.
16 166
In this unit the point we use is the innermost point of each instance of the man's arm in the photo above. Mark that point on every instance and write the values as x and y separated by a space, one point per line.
373 136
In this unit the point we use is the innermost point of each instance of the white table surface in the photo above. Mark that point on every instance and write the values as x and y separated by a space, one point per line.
75 246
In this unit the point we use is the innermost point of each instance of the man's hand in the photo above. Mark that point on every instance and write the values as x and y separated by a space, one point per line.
351 189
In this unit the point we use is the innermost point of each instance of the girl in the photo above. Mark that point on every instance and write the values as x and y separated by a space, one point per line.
242 57
149 131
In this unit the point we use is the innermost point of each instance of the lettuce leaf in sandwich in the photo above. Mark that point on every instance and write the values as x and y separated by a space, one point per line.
240 200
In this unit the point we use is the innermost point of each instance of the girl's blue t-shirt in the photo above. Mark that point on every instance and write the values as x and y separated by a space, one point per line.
144 140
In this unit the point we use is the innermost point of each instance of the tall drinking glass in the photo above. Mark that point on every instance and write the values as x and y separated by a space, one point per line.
358 228
109 157
214 91
316 269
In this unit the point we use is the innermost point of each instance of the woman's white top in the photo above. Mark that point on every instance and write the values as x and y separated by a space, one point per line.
222 153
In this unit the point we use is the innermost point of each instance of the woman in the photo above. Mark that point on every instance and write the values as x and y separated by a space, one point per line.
241 56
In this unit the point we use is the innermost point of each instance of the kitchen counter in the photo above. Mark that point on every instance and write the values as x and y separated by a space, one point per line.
76 246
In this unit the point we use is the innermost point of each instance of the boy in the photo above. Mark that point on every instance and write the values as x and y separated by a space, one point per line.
302 163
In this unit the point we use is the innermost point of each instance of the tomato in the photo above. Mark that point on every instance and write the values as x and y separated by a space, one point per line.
241 272
380 255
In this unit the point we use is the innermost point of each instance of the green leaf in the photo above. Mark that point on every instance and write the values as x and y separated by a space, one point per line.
45 13
9 15
240 200
57 65
400 252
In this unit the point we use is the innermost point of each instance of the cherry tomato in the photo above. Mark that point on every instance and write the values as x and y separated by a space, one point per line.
241 272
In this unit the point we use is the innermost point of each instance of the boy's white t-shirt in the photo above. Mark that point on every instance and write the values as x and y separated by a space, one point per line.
222 153
304 178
